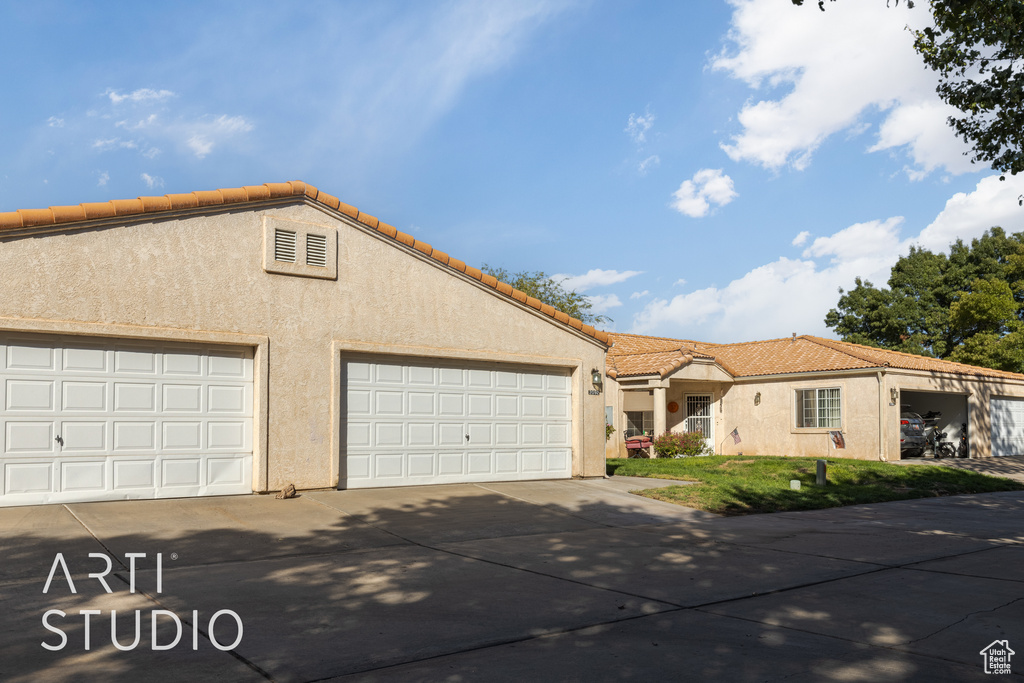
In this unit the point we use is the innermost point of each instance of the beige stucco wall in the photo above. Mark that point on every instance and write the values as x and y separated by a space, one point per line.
201 277
769 428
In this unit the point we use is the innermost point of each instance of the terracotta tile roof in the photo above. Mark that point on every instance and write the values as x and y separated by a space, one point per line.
634 355
60 215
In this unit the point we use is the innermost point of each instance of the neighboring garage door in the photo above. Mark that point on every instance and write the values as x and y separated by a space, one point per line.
412 423
89 419
1007 426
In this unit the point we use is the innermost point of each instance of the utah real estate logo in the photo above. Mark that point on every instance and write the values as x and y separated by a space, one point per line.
997 657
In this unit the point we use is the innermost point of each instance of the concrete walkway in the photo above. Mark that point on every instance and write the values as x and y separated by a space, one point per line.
1011 467
558 580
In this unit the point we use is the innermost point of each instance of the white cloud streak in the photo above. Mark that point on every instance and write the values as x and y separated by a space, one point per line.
142 95
708 186
801 239
594 278
152 181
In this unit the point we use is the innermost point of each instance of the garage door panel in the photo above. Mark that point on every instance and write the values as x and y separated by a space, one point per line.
134 436
83 436
29 437
84 396
91 360
452 405
421 375
93 419
432 424
135 362
228 399
30 357
90 475
183 398
179 436
236 365
134 397
181 364
134 474
28 478
421 403
30 395
422 434
177 473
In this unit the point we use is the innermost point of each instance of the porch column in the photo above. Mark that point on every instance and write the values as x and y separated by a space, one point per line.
660 414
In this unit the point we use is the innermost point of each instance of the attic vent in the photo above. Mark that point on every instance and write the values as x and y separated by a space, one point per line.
284 246
316 250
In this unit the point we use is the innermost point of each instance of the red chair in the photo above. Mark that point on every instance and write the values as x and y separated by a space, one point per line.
638 446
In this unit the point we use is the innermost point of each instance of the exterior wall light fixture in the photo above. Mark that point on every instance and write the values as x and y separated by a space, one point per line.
595 377
757 399
894 396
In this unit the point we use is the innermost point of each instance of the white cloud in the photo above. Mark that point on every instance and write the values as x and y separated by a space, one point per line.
834 68
781 297
594 278
114 143
103 179
200 145
639 295
138 96
708 186
638 125
152 181
801 239
205 134
54 122
967 215
602 303
679 283
647 164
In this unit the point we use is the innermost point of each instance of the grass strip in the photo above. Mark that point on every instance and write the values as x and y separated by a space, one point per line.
738 485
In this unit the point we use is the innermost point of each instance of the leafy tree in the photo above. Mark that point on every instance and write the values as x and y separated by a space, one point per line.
975 47
967 307
540 286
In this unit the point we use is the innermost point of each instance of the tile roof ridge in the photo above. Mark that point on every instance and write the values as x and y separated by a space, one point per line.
837 345
117 208
671 339
968 369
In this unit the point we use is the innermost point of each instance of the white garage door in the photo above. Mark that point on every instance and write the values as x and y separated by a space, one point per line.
1007 426
411 423
89 420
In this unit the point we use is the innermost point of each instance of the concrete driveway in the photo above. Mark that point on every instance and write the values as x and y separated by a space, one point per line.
567 580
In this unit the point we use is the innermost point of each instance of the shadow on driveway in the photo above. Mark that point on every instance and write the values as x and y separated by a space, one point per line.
561 580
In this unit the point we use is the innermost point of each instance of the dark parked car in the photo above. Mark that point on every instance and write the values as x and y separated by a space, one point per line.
912 439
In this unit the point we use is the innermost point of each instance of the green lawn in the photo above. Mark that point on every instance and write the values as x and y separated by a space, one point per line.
749 485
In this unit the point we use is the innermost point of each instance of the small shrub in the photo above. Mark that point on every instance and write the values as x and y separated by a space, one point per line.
608 431
680 444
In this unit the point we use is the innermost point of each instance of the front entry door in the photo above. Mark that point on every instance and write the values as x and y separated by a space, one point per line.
699 418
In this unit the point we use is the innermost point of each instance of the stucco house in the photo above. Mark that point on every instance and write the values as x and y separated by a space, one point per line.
233 341
787 396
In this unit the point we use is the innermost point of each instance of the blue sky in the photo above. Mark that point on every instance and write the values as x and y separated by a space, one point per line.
708 170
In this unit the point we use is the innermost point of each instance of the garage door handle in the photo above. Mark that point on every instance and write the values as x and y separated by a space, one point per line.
467 438
59 439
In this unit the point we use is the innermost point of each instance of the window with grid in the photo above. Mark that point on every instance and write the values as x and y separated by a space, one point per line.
639 422
819 408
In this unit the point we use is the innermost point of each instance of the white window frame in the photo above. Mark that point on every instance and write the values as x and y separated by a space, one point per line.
801 406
